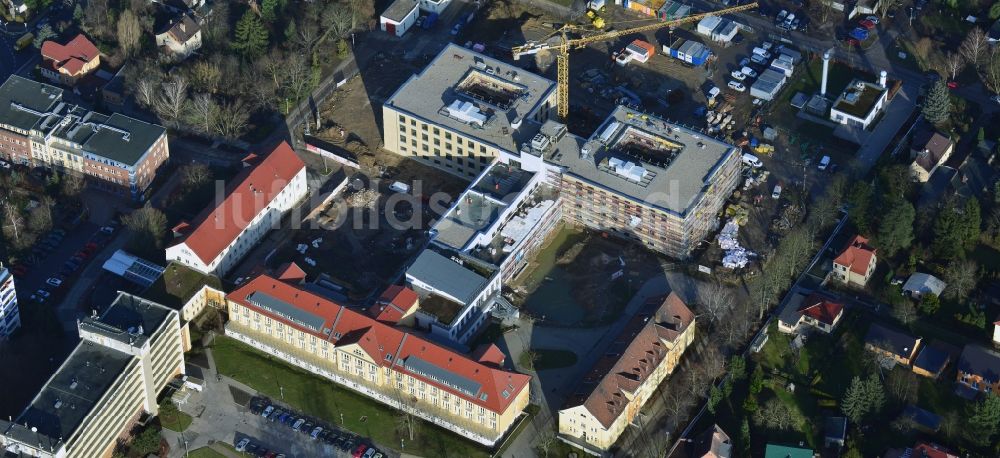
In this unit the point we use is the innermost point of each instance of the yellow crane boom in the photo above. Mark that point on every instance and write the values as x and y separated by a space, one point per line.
565 44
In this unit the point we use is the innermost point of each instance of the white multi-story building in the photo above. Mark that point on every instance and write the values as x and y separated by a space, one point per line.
126 357
10 315
254 204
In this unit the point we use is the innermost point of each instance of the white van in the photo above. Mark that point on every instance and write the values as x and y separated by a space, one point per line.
759 51
824 163
400 187
751 160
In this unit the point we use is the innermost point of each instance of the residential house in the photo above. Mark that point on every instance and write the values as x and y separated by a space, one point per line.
856 264
932 360
712 443
786 451
608 398
180 37
399 17
860 103
929 150
834 432
815 311
17 6
920 284
255 202
921 450
979 369
68 63
892 344
474 398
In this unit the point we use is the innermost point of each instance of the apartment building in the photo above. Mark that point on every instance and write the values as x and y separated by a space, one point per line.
464 109
255 202
476 398
638 177
611 394
38 128
10 315
645 179
127 355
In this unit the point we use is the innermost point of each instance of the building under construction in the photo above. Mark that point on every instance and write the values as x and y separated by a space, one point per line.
638 176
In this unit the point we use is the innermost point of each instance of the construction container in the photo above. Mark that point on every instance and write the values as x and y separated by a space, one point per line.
640 50
689 51
673 10
708 24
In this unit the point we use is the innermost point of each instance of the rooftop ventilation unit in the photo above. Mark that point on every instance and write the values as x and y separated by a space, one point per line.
540 142
628 170
466 112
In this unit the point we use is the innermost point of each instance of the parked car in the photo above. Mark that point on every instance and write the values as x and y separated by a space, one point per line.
108 230
242 444
267 411
358 452
737 86
315 432
738 75
752 160
370 453
873 19
867 24
275 415
758 59
749 72
298 424
777 191
824 163
952 84
53 281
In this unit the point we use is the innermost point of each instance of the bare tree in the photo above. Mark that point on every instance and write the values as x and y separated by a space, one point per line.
272 65
72 185
339 21
307 35
407 423
991 71
129 32
362 13
902 386
40 217
146 90
204 112
962 277
954 63
716 300
233 118
974 46
194 175
545 440
13 227
206 75
905 312
95 18
172 100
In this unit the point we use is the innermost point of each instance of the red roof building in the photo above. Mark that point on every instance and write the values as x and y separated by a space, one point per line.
856 264
611 394
254 203
352 334
67 63
396 306
814 310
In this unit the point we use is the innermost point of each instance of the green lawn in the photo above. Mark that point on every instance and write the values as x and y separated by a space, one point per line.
179 284
548 359
322 398
175 421
205 452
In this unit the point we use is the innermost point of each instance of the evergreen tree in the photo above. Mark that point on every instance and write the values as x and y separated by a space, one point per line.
43 35
937 105
269 10
972 221
859 200
984 421
251 37
78 13
738 367
756 380
745 437
854 404
930 303
896 230
874 393
714 396
948 232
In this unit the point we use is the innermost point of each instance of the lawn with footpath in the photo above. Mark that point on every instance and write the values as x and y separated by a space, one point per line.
322 398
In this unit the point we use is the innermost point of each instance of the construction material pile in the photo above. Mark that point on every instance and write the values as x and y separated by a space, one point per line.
734 255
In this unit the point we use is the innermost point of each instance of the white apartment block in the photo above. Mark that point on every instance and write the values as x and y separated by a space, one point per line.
10 315
126 357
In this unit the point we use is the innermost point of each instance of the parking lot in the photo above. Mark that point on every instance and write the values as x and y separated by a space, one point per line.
229 412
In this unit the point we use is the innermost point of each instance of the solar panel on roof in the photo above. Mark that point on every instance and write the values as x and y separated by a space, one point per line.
441 375
286 311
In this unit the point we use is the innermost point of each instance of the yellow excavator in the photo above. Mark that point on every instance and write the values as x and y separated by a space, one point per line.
565 44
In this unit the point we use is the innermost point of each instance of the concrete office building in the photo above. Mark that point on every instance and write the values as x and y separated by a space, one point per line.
10 315
648 180
464 109
126 357
472 396
255 201
116 153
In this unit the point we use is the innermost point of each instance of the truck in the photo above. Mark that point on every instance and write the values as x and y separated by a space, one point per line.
24 41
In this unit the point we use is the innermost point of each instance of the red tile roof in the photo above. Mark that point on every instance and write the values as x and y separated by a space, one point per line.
857 255
291 272
925 450
389 346
72 56
253 191
606 389
821 309
489 354
395 301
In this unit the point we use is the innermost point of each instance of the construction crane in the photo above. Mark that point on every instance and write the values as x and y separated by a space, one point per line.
566 43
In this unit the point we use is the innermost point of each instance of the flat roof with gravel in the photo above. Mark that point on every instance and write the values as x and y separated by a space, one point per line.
474 95
645 158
